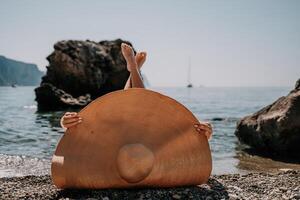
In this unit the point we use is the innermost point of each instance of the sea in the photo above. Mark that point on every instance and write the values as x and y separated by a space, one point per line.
28 138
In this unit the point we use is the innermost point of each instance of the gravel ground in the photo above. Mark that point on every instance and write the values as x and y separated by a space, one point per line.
282 185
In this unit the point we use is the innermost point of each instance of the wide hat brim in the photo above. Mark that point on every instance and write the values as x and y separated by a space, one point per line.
129 138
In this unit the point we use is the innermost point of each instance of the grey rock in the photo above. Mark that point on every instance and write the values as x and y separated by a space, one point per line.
81 68
59 99
275 129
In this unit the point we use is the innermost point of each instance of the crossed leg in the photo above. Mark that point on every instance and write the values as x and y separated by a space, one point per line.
133 65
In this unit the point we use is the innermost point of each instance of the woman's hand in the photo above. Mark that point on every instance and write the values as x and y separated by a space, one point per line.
205 127
70 119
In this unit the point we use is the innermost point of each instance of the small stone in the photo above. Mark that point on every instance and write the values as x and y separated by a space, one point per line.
296 196
235 188
141 197
186 191
233 196
284 196
285 169
176 196
283 189
260 182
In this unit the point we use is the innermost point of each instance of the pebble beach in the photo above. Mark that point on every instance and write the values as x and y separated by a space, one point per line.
280 185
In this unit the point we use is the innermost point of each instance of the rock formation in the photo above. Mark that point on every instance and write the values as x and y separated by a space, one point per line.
19 73
80 71
275 129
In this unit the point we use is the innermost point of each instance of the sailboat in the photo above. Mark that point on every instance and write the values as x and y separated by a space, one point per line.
189 85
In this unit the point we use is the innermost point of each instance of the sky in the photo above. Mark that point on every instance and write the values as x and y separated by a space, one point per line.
229 42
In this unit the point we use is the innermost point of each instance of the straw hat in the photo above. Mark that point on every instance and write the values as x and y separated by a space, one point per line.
129 138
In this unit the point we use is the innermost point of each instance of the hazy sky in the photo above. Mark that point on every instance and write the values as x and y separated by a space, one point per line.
230 42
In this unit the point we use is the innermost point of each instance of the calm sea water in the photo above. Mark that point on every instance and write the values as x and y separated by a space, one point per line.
28 138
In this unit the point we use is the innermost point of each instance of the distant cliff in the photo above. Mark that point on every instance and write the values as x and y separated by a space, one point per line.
19 73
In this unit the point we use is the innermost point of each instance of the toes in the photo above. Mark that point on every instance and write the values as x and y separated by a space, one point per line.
123 45
141 54
137 55
140 58
127 50
126 46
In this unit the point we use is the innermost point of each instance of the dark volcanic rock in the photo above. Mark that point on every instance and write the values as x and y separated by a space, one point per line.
297 86
59 98
78 69
275 129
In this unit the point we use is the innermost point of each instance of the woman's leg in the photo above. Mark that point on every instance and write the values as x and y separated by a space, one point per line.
140 59
135 77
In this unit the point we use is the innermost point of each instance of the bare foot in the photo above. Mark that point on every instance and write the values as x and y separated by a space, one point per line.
128 54
140 58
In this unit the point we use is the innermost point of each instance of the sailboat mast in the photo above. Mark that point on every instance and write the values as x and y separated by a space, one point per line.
189 71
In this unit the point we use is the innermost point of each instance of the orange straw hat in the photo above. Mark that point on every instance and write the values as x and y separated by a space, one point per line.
134 137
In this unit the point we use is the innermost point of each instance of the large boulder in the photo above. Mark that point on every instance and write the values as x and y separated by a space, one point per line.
80 71
275 129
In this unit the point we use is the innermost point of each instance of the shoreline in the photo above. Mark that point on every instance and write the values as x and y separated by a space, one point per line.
280 185
241 163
